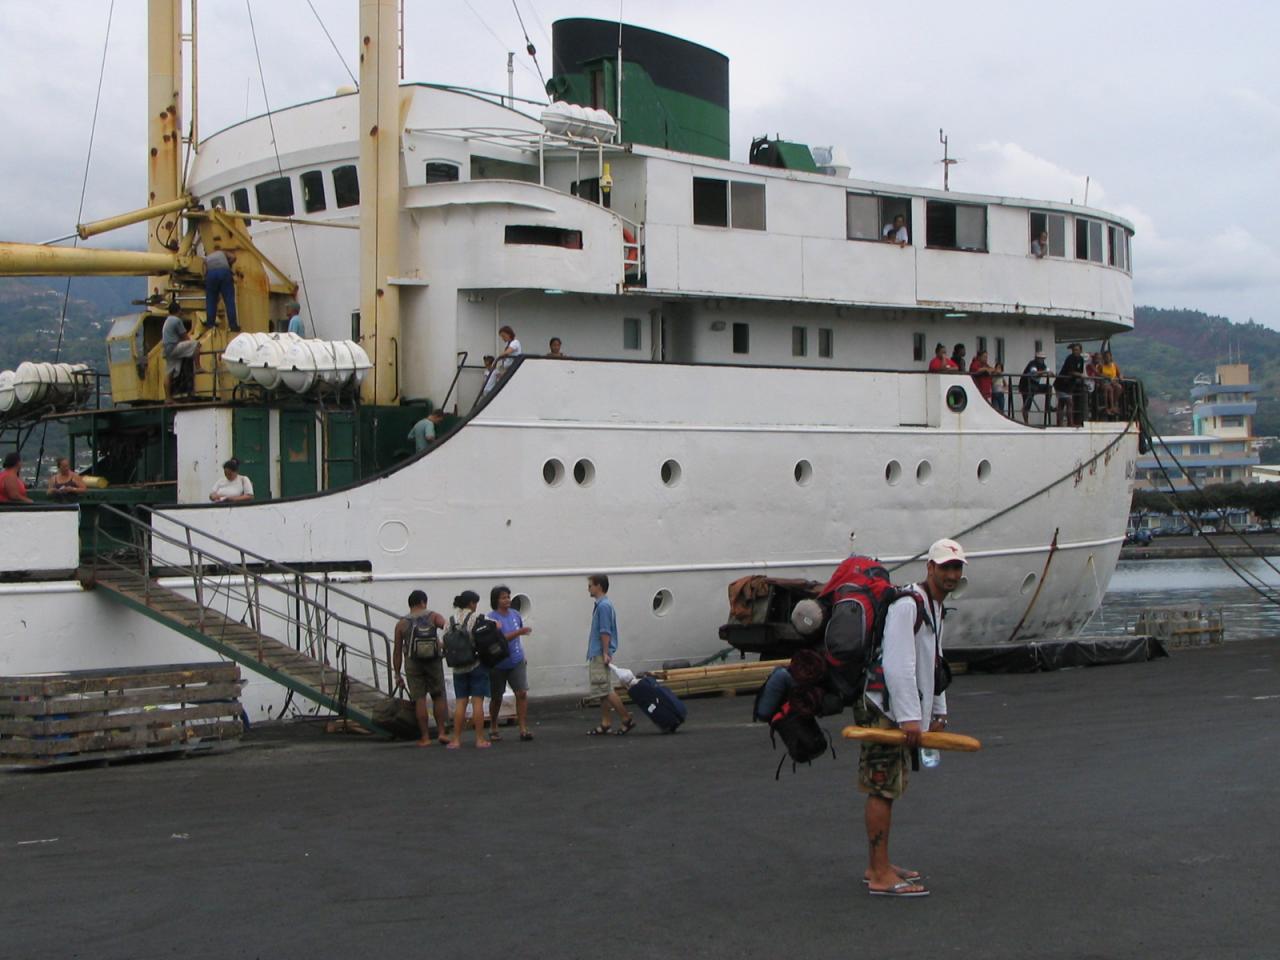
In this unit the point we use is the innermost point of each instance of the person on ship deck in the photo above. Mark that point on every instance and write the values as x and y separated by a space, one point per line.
980 370
941 362
12 489
896 232
1070 386
232 487
64 484
1033 383
1112 388
176 345
218 282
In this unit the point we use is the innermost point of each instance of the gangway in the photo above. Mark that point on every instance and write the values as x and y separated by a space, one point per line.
258 597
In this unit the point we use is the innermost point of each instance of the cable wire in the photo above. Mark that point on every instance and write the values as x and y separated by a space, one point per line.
84 188
528 45
275 149
334 45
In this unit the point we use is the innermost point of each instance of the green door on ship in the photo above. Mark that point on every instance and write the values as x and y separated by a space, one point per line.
251 443
297 452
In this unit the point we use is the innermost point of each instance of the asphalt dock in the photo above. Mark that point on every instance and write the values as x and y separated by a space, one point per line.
1115 812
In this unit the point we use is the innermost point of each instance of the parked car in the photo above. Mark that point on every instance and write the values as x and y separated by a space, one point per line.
1140 537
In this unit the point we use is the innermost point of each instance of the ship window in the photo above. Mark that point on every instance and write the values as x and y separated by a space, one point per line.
240 200
275 197
825 343
747 206
1232 421
586 189
541 236
1055 225
630 333
955 226
1117 240
1000 350
917 346
1039 346
218 203
440 171
312 191
741 338
490 168
710 202
1088 240
799 342
355 326
982 346
346 186
868 216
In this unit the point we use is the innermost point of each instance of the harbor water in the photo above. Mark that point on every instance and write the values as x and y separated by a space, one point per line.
1142 584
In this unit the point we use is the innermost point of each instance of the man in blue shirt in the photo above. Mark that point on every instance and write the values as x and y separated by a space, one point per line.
296 326
602 643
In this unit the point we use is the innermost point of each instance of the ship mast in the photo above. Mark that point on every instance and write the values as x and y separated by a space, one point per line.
379 128
164 107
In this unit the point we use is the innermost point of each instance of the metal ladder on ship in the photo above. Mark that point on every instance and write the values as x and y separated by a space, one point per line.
268 596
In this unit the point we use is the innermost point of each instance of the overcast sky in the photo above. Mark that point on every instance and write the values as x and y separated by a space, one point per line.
1172 110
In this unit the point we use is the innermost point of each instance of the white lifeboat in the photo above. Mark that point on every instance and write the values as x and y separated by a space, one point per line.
7 399
35 383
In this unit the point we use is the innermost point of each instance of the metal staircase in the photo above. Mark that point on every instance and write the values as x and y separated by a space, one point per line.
233 600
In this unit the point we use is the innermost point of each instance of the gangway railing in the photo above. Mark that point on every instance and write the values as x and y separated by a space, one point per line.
244 602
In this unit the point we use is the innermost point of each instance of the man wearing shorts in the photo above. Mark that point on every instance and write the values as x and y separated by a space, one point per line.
602 643
425 677
176 345
514 670
901 693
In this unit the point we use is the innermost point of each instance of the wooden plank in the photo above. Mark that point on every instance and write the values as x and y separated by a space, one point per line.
115 740
121 701
79 723
94 681
193 748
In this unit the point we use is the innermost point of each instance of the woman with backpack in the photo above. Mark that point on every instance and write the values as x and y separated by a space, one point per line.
469 682
512 671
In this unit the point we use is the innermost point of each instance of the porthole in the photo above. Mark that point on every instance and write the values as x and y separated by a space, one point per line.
1028 583
984 471
522 604
584 472
661 602
892 473
803 472
924 470
671 473
961 587
553 472
957 399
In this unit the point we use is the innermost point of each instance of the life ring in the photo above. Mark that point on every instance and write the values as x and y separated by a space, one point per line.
630 249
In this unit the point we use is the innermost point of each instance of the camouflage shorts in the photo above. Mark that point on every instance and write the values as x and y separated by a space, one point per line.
882 770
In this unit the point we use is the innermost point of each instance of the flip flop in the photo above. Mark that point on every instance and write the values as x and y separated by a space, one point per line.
494 735
912 876
900 889
454 745
599 731
526 736
483 744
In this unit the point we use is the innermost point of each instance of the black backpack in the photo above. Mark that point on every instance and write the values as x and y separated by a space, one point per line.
490 642
796 722
459 649
424 642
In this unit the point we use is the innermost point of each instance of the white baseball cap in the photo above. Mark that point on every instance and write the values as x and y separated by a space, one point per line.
946 551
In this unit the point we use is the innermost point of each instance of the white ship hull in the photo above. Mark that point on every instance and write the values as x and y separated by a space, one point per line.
773 470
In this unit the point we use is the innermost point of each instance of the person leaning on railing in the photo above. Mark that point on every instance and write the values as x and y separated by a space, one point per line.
12 489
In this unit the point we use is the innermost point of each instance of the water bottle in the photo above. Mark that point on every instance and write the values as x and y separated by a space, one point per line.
930 758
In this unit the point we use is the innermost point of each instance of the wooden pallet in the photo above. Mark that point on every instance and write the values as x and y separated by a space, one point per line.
57 719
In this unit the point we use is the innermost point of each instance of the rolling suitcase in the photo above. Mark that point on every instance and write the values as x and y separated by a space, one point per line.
658 703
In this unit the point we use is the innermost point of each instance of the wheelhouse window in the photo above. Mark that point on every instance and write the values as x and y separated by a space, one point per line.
799 341
588 190
1089 240
869 217
1118 246
630 333
723 203
982 346
240 200
491 168
275 197
741 338
917 346
540 236
826 343
1048 234
440 171
955 226
218 203
1000 350
312 191
346 186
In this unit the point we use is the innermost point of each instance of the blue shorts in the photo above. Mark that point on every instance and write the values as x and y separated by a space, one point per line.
473 683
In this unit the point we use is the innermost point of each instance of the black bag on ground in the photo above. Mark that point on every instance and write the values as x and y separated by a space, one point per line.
490 642
459 650
396 716
659 704
800 733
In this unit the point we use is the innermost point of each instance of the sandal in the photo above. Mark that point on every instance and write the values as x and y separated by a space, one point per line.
454 745
526 736
599 731
483 744
494 735
627 724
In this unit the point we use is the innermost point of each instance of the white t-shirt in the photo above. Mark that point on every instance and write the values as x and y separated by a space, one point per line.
504 364
241 486
908 662
897 236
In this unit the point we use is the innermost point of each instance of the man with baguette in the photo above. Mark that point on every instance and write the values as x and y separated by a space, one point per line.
904 691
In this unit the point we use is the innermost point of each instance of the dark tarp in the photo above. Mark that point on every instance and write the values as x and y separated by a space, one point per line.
1057 654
